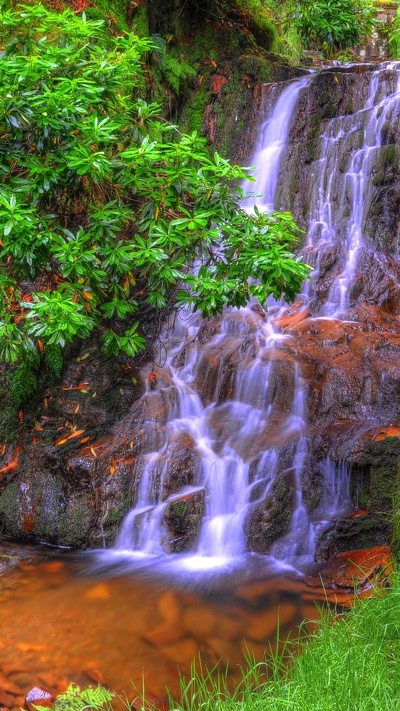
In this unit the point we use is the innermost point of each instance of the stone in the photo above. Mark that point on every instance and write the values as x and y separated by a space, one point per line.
96 676
164 634
9 686
262 627
169 606
200 621
269 520
356 569
182 652
38 696
183 516
6 698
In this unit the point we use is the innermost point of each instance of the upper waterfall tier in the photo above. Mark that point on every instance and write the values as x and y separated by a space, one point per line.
236 395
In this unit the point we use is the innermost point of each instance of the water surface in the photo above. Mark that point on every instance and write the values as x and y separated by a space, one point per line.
67 617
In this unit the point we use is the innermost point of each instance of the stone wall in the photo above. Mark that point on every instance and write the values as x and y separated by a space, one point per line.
376 49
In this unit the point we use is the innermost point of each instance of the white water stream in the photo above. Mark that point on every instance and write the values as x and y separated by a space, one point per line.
234 438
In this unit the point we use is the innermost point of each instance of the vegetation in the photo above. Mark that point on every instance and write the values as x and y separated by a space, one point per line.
75 699
104 207
331 25
395 36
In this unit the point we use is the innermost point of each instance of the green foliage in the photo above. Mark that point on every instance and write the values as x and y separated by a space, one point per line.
75 699
394 40
331 24
105 206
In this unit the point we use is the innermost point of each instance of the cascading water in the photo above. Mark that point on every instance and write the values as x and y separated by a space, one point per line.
355 187
236 395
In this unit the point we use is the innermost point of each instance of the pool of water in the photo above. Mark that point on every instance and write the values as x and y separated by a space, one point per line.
81 617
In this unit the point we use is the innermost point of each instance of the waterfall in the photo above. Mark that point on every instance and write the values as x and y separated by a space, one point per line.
233 387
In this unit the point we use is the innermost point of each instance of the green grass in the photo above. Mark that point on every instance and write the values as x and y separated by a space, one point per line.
350 663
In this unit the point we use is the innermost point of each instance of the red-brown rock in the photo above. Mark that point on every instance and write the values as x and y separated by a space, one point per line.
353 573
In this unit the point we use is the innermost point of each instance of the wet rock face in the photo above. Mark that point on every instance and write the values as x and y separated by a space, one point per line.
62 489
183 518
269 520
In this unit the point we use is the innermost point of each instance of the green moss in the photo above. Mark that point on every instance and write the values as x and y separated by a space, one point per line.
39 509
113 11
257 67
139 22
380 484
192 118
264 32
312 145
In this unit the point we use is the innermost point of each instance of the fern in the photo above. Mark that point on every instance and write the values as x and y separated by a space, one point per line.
24 382
159 48
73 699
53 359
173 70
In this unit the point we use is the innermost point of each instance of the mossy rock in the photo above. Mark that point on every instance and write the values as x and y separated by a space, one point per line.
269 520
182 518
40 510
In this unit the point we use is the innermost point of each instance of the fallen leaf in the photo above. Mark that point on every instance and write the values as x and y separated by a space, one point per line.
14 463
71 436
93 452
61 441
77 409
85 439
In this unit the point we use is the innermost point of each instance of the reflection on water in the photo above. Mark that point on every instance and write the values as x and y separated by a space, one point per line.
60 622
